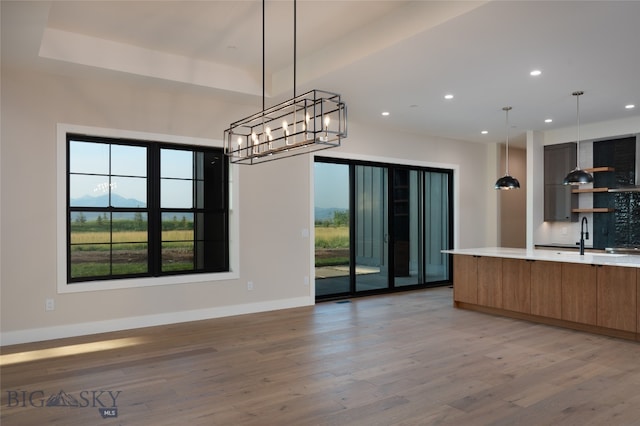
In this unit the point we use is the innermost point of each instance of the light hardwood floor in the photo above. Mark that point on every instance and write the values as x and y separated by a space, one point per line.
404 359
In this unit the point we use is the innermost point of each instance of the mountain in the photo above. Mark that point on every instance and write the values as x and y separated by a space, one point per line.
103 201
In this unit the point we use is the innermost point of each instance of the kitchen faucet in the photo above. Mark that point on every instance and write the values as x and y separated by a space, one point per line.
584 233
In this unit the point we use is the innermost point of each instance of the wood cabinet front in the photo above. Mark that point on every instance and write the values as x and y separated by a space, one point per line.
490 281
516 285
638 303
603 299
477 280
579 293
617 298
465 278
546 289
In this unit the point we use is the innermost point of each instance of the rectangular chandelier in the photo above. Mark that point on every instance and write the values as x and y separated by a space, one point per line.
309 122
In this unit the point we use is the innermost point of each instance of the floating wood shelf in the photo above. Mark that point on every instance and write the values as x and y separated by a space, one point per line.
585 190
593 210
600 169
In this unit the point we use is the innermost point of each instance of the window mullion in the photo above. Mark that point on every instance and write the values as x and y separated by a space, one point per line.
155 214
103 251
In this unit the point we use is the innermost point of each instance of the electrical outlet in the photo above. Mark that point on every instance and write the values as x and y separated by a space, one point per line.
249 285
49 305
306 280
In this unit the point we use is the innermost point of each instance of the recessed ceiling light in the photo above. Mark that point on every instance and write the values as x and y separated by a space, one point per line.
535 73
484 132
548 120
448 96
385 113
630 106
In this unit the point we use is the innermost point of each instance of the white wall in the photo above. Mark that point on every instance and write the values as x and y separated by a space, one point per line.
274 208
275 203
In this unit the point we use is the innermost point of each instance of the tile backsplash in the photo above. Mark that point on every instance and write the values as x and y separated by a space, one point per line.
620 228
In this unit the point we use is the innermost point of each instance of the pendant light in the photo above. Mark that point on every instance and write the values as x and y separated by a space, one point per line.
306 123
507 181
578 176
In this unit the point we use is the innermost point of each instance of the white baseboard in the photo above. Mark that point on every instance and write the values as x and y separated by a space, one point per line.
83 329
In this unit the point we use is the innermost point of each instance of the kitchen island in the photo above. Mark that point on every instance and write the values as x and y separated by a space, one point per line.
594 292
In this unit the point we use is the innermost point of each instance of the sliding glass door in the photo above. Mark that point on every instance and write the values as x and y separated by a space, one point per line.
380 227
407 225
371 228
332 230
438 223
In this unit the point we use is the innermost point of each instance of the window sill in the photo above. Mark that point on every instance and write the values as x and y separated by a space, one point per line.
64 287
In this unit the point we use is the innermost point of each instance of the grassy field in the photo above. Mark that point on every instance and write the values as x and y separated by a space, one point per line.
332 245
332 237
92 254
128 237
327 237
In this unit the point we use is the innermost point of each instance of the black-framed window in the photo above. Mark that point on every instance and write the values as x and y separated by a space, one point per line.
144 209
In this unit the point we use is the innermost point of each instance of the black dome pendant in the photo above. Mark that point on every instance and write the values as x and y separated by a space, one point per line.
507 181
578 176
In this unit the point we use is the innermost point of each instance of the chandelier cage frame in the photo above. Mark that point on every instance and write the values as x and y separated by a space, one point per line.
313 121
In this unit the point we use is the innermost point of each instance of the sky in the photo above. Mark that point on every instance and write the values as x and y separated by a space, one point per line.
130 162
331 185
331 180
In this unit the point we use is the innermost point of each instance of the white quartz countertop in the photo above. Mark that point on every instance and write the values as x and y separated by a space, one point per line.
613 259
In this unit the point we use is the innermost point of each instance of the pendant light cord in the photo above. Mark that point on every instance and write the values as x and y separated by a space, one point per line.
294 46
294 50
578 120
578 115
507 148
506 127
577 95
263 58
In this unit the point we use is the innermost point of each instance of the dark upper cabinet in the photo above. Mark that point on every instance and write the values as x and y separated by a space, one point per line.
558 202
559 160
